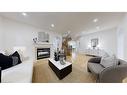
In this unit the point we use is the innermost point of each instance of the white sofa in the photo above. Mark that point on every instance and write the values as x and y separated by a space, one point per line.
21 73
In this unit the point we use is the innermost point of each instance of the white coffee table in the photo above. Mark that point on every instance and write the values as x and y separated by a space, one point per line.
60 70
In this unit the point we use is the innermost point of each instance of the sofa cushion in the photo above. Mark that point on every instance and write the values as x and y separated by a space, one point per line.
21 73
23 55
95 68
109 61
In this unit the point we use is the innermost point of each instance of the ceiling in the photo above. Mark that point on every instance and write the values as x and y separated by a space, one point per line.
77 23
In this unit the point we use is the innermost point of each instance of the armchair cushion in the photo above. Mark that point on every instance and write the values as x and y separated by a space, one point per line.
109 61
95 68
95 60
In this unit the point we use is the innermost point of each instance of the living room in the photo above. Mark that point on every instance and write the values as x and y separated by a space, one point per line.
79 36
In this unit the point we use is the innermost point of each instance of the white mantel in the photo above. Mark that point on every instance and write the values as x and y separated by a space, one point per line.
43 45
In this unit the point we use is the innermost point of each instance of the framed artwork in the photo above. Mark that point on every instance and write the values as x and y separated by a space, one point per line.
43 37
94 42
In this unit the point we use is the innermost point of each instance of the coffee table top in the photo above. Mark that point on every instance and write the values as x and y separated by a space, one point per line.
58 65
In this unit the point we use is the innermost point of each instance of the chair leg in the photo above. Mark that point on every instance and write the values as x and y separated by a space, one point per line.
97 79
88 70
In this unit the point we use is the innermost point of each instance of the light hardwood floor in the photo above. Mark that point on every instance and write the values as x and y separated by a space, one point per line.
44 74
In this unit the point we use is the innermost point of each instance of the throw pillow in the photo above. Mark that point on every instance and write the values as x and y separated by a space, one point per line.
16 54
109 61
15 60
5 61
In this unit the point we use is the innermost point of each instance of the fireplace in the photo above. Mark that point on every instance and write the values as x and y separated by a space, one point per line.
43 53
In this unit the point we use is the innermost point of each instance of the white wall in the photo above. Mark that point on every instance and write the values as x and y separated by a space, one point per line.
21 35
120 43
107 40
1 36
122 29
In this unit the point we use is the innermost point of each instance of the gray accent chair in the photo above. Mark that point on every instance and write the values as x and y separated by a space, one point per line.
112 74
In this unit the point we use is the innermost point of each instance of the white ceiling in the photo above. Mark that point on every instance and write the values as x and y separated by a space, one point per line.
76 22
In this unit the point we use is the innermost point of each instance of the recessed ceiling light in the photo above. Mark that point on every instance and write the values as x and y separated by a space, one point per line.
52 25
97 27
95 20
24 14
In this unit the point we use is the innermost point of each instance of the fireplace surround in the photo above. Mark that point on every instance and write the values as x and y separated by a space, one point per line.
43 50
43 53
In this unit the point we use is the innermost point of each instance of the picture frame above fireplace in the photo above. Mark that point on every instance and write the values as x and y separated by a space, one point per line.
43 37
